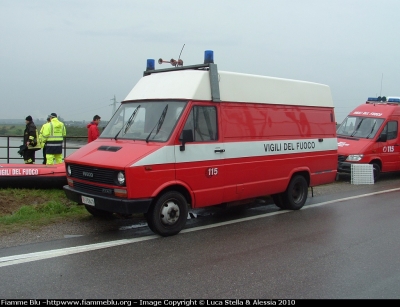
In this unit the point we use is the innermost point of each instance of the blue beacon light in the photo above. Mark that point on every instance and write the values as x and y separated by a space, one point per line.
208 56
150 64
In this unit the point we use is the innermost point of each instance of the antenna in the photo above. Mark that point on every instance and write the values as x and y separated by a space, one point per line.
181 52
380 94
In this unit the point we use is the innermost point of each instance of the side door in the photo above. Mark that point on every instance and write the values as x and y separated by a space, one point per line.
390 150
200 162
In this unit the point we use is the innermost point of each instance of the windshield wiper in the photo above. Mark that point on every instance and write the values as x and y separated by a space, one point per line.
373 126
358 126
159 123
128 123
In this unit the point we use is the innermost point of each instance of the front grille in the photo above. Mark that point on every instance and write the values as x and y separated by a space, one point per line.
93 174
92 188
342 158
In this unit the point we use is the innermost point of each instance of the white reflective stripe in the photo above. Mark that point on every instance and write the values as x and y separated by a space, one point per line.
233 150
55 136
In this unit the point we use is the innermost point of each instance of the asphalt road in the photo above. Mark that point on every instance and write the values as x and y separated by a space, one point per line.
341 245
96 227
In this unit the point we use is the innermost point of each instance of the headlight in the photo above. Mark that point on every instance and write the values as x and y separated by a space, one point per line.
354 157
120 178
69 172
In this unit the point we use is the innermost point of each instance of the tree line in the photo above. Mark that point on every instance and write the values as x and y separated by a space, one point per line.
16 130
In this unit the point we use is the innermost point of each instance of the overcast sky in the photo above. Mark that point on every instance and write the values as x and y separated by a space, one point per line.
72 56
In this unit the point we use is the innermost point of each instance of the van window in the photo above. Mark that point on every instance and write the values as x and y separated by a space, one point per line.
202 121
145 120
391 130
360 127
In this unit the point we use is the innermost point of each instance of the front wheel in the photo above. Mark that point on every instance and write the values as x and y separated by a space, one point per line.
377 171
167 216
296 193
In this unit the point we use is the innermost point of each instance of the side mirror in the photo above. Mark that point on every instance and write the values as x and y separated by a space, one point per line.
382 137
186 136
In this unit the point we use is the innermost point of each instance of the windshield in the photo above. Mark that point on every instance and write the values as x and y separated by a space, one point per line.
360 127
144 120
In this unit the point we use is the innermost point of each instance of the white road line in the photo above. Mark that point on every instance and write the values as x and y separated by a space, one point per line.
17 259
23 258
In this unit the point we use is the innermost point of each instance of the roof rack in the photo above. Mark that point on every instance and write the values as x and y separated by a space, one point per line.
208 65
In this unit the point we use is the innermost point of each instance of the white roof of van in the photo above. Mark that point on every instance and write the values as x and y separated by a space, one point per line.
234 87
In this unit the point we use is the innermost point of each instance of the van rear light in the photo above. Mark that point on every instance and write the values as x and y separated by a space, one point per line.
121 193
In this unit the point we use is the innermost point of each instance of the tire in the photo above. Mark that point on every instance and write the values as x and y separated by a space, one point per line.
168 215
149 222
296 193
99 213
377 171
277 198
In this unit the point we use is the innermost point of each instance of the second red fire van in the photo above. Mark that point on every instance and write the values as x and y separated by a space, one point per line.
191 136
369 135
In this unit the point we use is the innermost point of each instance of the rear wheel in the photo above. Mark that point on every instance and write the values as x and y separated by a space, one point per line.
168 215
99 213
277 198
296 193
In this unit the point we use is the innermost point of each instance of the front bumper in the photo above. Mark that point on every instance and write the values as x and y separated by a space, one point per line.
110 203
344 167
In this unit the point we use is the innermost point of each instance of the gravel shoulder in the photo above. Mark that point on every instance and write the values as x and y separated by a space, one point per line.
93 226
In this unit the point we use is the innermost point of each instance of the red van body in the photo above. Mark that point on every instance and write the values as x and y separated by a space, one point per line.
369 135
191 137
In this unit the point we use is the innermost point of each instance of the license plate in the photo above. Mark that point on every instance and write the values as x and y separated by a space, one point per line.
88 200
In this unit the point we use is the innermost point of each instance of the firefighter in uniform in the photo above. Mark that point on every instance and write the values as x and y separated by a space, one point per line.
53 135
30 140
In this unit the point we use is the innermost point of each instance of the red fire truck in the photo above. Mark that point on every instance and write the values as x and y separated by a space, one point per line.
192 136
369 135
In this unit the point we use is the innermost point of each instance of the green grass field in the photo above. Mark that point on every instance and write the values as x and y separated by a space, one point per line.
31 208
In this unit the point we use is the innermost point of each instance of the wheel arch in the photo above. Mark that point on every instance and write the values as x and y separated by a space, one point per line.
376 161
178 188
304 173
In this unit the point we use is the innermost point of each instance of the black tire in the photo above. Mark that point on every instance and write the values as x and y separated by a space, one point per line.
296 193
377 171
99 213
277 198
149 222
168 215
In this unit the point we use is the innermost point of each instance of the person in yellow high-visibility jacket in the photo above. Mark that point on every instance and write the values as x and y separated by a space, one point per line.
41 139
53 135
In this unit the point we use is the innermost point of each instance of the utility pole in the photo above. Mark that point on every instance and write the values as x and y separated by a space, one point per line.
114 104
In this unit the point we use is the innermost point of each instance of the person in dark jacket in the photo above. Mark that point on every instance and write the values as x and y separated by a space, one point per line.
30 140
93 129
